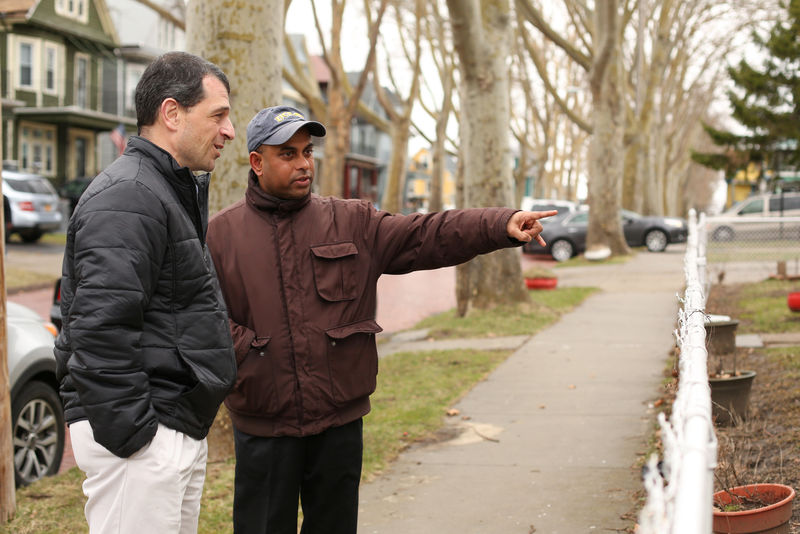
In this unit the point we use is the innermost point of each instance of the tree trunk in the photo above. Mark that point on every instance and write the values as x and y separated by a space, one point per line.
481 32
337 146
245 39
606 156
8 502
395 180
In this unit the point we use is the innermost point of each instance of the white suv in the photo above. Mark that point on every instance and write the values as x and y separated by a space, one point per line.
37 417
755 217
31 205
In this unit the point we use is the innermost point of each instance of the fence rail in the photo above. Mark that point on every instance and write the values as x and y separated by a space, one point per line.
680 487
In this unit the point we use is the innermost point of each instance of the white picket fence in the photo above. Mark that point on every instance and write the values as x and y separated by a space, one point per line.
680 486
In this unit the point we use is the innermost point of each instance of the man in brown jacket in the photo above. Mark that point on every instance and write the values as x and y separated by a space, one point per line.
299 275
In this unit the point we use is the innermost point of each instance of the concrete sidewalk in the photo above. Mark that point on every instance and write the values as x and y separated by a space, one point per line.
549 441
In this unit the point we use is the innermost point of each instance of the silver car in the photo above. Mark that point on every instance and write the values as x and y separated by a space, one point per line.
32 205
37 416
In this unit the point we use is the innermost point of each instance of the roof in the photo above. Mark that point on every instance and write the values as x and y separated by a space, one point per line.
321 71
16 6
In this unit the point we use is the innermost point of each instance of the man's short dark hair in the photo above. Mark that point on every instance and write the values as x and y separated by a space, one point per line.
177 75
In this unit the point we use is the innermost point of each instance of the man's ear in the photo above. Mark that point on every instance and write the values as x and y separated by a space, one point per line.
257 163
170 113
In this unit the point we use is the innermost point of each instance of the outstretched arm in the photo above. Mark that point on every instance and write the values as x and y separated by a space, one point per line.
525 226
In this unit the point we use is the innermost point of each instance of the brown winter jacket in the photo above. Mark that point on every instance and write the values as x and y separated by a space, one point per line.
300 278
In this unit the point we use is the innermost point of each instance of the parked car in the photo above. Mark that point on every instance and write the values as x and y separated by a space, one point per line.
749 218
565 233
542 204
37 417
32 203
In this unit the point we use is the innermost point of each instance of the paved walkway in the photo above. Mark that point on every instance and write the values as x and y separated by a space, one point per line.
549 441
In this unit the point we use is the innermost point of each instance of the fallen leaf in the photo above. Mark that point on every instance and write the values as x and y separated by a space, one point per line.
452 412
572 386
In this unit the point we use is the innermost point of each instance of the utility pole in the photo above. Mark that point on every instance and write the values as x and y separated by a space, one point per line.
8 498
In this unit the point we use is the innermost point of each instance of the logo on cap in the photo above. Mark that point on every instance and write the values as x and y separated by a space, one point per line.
280 117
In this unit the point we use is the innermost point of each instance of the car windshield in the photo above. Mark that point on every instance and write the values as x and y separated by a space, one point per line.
31 185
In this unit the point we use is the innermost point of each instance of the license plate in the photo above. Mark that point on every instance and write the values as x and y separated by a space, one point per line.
48 207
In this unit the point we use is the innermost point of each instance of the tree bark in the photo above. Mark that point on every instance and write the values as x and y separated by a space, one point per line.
606 154
8 501
245 39
481 32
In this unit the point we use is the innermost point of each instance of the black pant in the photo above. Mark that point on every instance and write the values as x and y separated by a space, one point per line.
323 470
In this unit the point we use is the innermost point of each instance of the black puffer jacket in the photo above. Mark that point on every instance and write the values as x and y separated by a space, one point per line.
145 336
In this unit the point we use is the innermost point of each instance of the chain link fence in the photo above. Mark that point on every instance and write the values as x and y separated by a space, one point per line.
680 486
742 249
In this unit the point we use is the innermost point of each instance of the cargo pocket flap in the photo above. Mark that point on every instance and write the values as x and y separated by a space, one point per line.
336 250
361 327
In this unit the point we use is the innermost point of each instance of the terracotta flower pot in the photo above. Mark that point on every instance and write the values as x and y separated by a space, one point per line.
773 518
541 283
793 300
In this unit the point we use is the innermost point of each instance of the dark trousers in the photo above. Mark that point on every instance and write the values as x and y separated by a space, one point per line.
323 470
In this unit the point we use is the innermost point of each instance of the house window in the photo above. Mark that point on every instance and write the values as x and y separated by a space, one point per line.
37 148
26 64
50 69
81 81
74 9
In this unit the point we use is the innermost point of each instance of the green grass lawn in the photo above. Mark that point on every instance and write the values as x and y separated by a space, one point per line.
18 279
414 392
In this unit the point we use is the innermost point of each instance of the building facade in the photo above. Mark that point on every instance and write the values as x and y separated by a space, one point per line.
61 77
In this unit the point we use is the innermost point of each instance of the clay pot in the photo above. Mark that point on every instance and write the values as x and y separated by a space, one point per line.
541 283
773 518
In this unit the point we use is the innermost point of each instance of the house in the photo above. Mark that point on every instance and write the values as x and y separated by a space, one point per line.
61 80
418 182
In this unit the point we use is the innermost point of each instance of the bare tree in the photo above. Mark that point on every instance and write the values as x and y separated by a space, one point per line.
601 58
439 39
342 99
481 34
399 111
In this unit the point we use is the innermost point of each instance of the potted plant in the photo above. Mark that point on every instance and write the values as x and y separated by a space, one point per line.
753 508
730 386
537 277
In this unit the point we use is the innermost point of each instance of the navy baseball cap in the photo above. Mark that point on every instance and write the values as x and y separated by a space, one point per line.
276 125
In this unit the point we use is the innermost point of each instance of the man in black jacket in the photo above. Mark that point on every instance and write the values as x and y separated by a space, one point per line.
145 355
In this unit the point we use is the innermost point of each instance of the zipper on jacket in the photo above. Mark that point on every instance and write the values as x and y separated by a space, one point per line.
285 305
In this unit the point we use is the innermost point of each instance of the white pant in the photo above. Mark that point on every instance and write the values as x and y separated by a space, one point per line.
156 490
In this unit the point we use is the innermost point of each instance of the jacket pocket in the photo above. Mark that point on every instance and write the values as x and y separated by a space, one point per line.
352 360
335 271
256 391
211 383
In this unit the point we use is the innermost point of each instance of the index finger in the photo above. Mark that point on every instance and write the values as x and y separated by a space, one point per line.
542 214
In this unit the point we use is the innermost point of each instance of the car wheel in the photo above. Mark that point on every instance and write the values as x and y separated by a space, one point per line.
562 250
656 240
38 432
30 236
723 233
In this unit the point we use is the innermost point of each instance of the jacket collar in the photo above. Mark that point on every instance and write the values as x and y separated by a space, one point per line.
258 199
166 164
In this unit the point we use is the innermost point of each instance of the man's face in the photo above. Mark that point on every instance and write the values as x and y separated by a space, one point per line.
204 128
285 171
